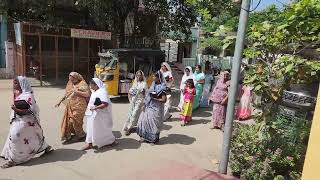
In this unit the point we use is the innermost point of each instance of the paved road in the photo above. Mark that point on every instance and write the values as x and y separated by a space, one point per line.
195 145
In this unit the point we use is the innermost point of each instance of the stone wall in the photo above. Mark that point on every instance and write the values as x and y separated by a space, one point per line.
4 74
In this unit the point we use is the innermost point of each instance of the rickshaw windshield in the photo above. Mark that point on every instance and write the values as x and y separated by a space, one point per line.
112 63
104 62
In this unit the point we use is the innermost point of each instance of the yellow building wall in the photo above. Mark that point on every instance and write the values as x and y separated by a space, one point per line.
312 161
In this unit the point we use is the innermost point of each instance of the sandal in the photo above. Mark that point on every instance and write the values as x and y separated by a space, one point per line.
87 147
8 164
48 150
142 140
113 144
127 132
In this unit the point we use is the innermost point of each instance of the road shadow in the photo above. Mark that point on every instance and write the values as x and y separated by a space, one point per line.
120 100
198 121
55 156
177 139
124 143
166 127
175 98
202 112
117 134
173 119
193 122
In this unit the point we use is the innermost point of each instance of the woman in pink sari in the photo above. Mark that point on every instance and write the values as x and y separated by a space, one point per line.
244 109
219 97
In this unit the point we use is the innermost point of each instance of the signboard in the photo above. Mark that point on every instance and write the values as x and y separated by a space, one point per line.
90 34
18 33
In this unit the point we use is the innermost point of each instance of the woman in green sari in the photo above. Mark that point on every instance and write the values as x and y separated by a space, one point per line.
199 82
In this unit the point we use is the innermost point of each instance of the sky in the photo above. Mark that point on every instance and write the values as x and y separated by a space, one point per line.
266 3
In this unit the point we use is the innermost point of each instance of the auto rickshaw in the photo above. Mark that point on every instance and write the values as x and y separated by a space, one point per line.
117 67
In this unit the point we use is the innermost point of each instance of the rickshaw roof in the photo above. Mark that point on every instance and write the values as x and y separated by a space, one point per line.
134 52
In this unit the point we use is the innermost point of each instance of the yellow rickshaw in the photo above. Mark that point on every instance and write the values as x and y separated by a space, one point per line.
117 67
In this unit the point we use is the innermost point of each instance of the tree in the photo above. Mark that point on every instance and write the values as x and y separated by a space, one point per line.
277 144
167 15
219 19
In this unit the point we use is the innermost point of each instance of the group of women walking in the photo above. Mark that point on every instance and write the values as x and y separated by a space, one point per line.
148 109
200 89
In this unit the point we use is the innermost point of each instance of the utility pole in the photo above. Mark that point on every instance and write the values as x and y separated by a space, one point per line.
169 48
236 64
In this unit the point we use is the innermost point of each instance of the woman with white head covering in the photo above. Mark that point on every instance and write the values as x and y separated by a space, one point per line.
167 75
77 93
25 137
188 74
136 98
99 117
151 118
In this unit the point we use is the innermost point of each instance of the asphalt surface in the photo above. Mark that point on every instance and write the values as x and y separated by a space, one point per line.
193 145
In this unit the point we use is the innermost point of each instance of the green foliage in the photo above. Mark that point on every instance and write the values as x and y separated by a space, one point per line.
269 80
271 14
271 149
214 15
275 33
172 15
212 45
274 147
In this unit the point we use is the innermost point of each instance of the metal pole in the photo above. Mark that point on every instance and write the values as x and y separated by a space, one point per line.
243 20
169 48
134 64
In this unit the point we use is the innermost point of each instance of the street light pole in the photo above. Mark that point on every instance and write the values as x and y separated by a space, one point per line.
236 64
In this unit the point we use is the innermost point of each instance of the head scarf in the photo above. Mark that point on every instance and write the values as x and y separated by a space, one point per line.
99 83
220 91
156 88
27 94
101 93
136 80
185 77
167 66
76 76
160 88
25 84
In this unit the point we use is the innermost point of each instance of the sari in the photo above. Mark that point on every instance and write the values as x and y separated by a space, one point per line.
186 113
184 79
206 91
219 93
99 122
151 119
199 89
25 138
75 109
167 75
136 102
244 108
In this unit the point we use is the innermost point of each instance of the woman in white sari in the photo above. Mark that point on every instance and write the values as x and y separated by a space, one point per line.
167 75
188 74
136 97
25 138
99 117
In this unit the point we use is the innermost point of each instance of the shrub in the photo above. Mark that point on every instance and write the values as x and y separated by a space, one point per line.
271 149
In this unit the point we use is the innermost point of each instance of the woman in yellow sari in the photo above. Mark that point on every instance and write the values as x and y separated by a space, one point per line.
75 100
